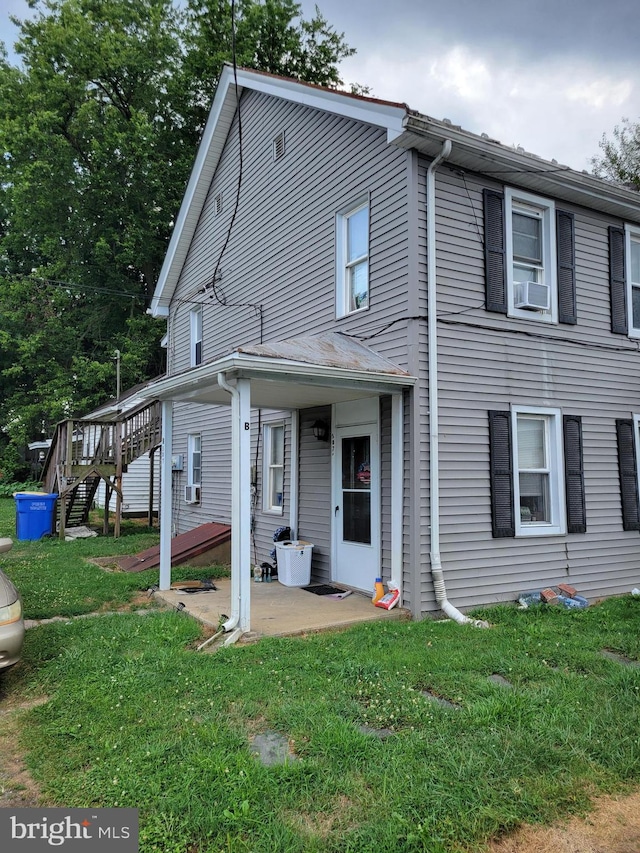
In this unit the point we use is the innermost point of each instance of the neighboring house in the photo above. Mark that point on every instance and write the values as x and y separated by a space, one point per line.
462 319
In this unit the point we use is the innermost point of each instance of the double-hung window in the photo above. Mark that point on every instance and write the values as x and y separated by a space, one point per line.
633 279
352 259
196 335
538 484
537 472
194 468
531 257
273 468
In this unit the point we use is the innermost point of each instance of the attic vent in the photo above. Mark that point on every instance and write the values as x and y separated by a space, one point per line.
278 146
218 204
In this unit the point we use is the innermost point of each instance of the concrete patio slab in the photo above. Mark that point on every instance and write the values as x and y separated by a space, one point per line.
280 611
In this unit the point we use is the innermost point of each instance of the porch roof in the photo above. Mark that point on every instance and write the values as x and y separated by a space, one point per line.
291 374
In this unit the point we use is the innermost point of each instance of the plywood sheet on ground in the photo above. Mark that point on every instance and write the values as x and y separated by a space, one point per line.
183 548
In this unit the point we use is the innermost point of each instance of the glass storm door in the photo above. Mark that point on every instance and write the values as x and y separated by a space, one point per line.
356 521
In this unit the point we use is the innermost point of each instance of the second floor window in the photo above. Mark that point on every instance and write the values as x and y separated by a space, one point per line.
531 257
196 336
352 259
633 279
529 254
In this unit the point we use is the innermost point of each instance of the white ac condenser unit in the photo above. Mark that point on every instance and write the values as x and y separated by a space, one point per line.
192 494
532 295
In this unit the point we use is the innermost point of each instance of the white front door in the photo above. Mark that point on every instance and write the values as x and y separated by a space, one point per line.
356 502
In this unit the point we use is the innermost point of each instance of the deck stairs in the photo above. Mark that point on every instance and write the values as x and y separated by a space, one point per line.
84 451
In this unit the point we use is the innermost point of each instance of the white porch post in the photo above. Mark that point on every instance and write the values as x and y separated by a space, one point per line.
240 620
294 466
397 477
166 495
243 463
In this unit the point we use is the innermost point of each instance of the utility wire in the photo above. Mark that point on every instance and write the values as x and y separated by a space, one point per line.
66 285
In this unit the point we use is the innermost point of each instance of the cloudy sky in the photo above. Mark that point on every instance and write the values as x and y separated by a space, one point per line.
550 75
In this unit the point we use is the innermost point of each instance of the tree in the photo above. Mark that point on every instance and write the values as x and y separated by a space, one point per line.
99 128
620 160
266 39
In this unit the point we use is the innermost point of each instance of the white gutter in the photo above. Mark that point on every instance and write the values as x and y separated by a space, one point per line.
434 461
525 169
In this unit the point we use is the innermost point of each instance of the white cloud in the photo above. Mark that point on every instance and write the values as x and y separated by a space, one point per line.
514 100
466 75
601 93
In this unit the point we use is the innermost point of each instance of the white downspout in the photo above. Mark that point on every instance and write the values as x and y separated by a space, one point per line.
434 460
232 622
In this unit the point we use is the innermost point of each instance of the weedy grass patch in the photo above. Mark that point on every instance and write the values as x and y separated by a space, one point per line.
136 718
57 578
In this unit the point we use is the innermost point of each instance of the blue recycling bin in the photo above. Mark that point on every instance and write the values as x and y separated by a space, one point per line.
34 515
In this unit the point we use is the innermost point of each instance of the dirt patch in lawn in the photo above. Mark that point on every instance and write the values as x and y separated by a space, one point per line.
612 827
17 788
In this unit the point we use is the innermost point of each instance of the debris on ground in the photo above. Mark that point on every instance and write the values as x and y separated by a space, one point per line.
563 594
195 586
72 533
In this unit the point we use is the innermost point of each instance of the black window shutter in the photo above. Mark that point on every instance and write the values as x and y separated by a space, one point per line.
565 247
617 282
494 252
628 475
501 468
574 474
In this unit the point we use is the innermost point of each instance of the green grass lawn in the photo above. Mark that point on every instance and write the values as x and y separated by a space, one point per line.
136 717
56 578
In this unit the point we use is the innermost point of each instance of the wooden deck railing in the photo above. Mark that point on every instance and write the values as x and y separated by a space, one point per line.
101 448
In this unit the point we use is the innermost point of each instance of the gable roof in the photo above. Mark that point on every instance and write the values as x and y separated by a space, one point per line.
385 114
405 128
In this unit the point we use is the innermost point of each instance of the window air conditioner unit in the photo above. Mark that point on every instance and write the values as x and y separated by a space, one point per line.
531 295
192 494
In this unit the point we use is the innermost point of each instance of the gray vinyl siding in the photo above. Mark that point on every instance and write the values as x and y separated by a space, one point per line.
418 586
281 257
266 522
281 254
277 280
314 513
214 425
488 361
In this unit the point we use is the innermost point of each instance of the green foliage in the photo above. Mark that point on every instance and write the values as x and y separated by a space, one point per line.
270 36
12 466
8 489
620 159
99 128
